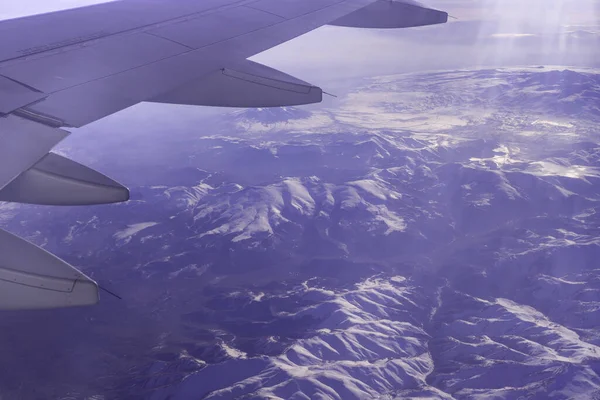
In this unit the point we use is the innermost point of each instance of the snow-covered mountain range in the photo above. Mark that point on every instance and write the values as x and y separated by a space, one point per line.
428 235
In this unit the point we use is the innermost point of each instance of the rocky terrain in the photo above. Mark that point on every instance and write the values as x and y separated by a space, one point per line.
428 235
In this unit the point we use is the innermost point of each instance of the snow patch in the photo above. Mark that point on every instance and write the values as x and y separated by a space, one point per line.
132 230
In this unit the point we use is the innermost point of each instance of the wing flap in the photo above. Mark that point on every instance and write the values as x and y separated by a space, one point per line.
392 14
249 84
56 180
32 278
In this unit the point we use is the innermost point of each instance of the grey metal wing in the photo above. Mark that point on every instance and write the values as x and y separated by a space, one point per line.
32 278
70 68
29 276
114 55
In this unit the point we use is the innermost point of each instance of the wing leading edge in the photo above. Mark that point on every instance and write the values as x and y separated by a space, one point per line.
56 74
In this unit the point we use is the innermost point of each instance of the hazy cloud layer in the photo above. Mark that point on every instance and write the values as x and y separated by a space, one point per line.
485 33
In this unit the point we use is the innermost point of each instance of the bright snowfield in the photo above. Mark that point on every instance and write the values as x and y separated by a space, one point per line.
426 236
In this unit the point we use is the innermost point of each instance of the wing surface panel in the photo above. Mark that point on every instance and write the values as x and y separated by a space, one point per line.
40 33
292 8
216 27
89 62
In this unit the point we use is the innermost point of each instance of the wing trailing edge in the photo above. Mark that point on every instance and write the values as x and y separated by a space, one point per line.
245 84
32 278
392 14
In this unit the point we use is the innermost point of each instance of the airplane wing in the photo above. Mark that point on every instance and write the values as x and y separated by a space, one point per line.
70 68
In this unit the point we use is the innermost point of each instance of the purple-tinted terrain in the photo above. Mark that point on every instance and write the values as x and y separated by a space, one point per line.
424 236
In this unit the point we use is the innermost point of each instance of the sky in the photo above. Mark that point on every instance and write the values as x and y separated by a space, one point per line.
483 33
